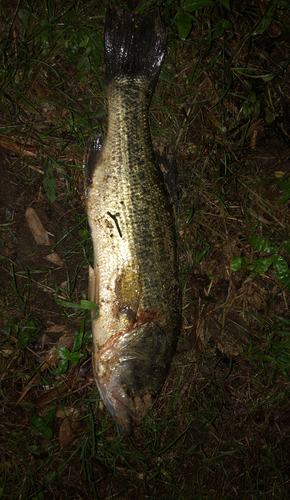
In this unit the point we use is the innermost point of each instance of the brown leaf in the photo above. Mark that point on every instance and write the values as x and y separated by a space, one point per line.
54 258
65 340
100 466
67 432
198 282
55 328
273 28
53 393
44 95
35 225
66 412
41 91
26 390
194 337
17 147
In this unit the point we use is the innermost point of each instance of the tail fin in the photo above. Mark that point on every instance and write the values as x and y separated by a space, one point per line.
134 51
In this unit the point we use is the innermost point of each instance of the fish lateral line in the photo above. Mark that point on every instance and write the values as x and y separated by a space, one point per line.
114 217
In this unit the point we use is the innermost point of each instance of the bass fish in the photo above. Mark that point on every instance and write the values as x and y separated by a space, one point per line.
135 280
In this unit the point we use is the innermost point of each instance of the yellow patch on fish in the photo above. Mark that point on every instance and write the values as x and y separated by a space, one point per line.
128 289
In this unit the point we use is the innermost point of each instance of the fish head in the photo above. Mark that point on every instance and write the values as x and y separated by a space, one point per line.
130 371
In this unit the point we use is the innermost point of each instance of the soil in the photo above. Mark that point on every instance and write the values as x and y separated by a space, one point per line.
20 251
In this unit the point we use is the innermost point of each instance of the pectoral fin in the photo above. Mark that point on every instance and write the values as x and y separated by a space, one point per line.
93 287
168 172
92 158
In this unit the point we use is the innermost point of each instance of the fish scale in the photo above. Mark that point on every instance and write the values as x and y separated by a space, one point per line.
132 228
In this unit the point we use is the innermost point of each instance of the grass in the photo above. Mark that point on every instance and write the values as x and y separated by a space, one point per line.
220 428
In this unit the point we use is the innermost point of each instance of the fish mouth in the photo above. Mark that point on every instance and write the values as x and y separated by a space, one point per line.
130 372
117 408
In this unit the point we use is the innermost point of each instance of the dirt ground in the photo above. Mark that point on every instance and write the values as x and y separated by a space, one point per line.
17 193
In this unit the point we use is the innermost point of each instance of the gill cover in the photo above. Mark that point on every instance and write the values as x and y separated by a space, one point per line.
130 372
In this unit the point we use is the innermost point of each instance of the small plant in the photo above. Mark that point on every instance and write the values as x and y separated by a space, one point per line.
185 18
277 350
41 426
261 266
27 333
285 186
74 355
66 355
40 496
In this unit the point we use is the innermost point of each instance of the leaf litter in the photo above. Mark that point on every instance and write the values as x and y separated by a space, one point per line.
220 428
36 227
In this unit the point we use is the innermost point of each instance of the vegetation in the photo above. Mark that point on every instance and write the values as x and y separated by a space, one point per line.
220 429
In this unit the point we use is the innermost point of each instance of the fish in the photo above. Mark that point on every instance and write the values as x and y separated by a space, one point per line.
135 278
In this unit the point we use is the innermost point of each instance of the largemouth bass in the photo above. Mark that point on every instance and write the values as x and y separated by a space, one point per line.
135 275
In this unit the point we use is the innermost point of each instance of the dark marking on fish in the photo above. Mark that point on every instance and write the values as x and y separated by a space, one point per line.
114 217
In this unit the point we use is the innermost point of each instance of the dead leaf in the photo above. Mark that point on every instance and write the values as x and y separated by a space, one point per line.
273 28
35 225
8 464
43 95
54 258
53 393
7 352
66 412
254 139
41 91
17 147
27 389
66 340
66 433
104 471
55 328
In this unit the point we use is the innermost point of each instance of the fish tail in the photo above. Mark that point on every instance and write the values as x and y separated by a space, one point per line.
134 48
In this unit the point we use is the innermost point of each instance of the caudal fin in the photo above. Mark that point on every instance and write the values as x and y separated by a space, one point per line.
133 47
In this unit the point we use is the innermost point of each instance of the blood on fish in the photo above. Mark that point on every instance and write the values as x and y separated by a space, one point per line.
144 317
